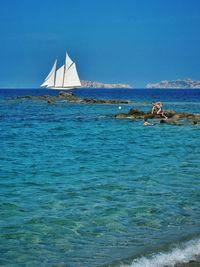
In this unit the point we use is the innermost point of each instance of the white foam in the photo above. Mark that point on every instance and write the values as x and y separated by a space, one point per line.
182 254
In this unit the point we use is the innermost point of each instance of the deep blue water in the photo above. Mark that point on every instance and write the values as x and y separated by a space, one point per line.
79 189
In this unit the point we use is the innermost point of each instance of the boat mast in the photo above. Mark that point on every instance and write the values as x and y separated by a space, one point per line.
64 71
54 82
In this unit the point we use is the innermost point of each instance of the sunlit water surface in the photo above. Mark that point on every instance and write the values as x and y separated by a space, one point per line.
79 189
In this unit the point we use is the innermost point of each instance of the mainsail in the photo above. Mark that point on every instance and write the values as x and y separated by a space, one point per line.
65 77
59 76
71 77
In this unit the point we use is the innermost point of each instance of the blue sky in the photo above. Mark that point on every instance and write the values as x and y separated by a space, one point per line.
127 41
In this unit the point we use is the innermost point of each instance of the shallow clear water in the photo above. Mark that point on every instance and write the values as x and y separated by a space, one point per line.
78 189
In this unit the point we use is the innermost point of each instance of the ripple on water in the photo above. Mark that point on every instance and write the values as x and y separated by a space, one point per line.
81 191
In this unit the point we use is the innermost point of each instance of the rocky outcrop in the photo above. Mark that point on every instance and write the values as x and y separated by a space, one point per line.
90 84
73 99
173 117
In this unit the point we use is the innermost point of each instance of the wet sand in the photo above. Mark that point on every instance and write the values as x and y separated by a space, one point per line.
193 263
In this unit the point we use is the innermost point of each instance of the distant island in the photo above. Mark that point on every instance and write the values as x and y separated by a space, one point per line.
90 84
184 83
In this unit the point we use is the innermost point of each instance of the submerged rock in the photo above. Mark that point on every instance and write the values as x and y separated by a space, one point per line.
70 97
76 99
173 117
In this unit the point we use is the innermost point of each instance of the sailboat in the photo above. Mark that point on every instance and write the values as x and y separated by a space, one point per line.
63 78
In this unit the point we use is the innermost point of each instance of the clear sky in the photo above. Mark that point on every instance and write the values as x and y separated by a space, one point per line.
127 41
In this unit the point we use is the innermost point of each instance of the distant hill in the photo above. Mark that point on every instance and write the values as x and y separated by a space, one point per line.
91 84
185 83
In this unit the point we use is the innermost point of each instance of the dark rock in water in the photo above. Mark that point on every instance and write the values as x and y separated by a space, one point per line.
76 99
50 101
163 121
136 112
29 97
173 117
69 97
73 99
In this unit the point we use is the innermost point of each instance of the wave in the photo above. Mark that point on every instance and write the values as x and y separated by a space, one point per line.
182 254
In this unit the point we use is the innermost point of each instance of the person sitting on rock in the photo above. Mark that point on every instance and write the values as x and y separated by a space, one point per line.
155 107
159 110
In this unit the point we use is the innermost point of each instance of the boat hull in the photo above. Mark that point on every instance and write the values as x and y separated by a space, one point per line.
63 88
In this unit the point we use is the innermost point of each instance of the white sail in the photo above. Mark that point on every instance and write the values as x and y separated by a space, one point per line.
50 79
52 70
66 77
68 62
71 78
60 76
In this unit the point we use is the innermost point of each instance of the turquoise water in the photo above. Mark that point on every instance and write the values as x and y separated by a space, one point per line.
79 189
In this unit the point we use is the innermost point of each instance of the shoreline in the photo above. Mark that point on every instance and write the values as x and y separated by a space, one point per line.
185 254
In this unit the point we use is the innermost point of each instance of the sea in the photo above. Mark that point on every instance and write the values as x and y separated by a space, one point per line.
79 188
